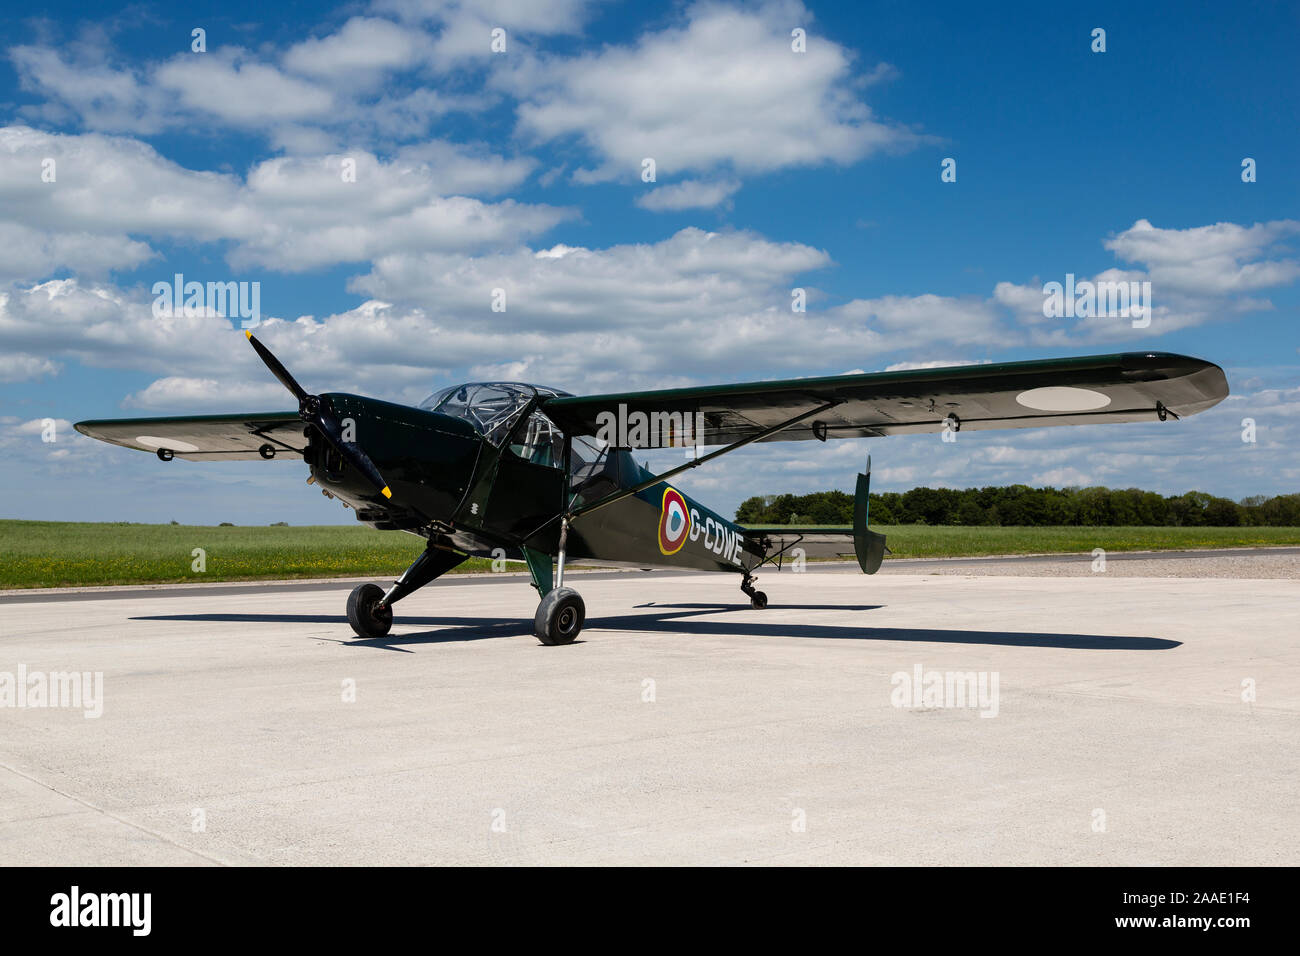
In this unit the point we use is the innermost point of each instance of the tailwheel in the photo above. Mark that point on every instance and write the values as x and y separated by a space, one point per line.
368 617
560 617
757 599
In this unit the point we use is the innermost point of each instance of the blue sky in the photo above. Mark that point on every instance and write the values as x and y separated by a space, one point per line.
521 170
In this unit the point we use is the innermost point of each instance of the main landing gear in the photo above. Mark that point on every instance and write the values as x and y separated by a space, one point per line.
560 617
562 612
757 599
370 607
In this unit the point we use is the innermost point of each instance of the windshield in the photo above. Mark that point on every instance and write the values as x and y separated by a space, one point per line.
488 406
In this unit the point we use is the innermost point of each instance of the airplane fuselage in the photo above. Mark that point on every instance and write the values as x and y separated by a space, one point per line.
455 487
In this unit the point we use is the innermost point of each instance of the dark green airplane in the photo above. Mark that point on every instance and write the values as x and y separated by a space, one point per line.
528 473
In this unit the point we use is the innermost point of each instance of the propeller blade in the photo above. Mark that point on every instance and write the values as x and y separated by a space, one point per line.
318 413
278 370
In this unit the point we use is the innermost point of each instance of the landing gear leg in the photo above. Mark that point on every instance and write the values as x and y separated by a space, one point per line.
562 612
370 608
757 599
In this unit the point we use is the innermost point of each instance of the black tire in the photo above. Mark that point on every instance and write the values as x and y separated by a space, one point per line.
758 600
560 617
366 619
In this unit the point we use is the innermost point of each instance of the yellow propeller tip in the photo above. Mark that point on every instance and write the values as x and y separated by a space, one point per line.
247 334
386 493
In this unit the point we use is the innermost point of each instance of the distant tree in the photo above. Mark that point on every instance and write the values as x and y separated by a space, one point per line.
782 508
926 505
1188 510
1282 511
751 511
879 510
887 508
827 507
1152 509
1124 507
1222 513
1022 505
969 512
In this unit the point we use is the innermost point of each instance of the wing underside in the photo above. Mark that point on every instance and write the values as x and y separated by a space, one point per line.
1130 387
207 437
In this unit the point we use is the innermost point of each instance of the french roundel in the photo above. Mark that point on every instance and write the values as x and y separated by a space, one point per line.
674 522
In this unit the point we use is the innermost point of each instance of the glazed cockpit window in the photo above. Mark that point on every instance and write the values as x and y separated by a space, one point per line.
593 468
539 441
490 407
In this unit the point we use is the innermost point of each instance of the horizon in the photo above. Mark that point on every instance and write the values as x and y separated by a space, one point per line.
917 218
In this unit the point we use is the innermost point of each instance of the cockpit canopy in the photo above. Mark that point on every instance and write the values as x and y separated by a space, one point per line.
493 407
488 406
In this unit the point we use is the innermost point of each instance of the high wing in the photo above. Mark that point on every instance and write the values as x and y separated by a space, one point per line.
206 437
1128 387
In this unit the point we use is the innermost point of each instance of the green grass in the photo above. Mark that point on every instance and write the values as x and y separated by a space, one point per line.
35 554
42 554
955 541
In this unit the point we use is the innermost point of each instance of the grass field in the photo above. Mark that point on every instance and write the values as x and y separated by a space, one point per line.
56 554
36 554
961 541
954 541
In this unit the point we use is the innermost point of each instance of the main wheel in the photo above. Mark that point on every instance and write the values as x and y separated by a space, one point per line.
560 617
758 600
365 615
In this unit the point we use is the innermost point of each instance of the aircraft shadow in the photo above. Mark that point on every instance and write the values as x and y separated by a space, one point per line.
679 620
1100 642
744 606
754 627
450 629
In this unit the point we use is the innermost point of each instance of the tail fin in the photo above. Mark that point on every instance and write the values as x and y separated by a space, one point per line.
868 545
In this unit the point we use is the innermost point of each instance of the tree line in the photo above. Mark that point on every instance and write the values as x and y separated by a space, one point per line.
1021 505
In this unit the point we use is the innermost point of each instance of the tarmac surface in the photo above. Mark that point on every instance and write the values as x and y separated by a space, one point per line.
1102 719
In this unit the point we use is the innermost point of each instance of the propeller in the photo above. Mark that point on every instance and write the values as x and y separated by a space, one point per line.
313 410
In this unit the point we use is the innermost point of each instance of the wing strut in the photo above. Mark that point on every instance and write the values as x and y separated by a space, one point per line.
695 463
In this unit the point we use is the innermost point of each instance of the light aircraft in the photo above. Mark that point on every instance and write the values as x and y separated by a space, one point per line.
502 469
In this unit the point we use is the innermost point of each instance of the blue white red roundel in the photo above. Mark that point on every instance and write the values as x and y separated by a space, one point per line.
674 522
